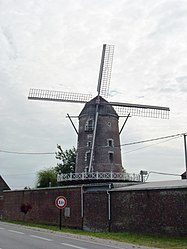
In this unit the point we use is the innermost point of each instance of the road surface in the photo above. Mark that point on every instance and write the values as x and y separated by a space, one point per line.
14 236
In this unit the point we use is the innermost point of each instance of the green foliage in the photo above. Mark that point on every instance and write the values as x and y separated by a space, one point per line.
46 178
67 158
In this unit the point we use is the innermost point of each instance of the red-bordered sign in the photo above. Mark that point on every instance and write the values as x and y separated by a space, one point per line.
61 202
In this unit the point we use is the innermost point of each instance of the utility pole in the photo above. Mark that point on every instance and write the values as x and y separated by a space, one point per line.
185 152
142 174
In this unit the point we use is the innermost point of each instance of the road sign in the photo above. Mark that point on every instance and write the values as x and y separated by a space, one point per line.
61 202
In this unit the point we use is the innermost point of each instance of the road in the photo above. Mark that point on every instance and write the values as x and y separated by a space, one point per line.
14 236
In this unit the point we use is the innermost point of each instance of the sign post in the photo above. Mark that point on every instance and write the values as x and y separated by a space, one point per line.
60 203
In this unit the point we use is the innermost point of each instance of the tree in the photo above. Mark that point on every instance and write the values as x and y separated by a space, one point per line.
47 178
67 158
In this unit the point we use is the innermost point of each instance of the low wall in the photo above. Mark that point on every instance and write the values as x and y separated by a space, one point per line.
1 206
151 211
42 206
96 211
160 211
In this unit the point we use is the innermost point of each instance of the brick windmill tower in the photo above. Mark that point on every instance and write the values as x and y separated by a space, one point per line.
98 147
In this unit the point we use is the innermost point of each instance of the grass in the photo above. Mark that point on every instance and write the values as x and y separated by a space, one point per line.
134 238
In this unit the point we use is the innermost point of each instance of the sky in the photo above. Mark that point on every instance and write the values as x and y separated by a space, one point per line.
57 45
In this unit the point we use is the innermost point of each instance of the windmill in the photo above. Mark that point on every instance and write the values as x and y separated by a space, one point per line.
98 148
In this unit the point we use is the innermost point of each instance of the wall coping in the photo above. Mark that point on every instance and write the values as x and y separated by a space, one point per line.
159 185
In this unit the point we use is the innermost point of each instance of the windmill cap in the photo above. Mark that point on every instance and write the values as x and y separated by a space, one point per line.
105 108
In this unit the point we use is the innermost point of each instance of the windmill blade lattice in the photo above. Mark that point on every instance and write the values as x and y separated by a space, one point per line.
105 70
102 88
50 95
123 109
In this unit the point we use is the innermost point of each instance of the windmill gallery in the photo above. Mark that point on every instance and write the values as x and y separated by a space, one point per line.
101 195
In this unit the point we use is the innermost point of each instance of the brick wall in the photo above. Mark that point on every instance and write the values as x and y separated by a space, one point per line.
1 206
155 211
95 211
148 211
43 206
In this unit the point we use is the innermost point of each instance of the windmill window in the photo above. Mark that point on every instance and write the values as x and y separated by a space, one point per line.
89 143
111 156
89 136
110 142
87 157
86 169
89 125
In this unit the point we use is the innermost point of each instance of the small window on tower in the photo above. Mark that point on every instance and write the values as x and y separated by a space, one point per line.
110 142
89 143
87 157
109 124
111 156
89 125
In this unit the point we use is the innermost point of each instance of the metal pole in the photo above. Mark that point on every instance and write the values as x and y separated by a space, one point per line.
185 153
124 123
109 208
72 123
60 221
141 175
82 206
93 140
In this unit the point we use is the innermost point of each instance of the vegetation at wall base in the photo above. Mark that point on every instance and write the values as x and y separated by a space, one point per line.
148 240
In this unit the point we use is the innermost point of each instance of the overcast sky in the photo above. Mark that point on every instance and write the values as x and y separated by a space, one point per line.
57 44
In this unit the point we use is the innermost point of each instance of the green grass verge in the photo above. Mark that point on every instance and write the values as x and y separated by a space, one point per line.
134 238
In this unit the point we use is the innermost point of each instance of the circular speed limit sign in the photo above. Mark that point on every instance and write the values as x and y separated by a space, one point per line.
61 202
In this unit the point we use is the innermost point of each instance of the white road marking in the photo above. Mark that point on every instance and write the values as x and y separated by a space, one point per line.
14 231
94 242
38 237
73 246
2 228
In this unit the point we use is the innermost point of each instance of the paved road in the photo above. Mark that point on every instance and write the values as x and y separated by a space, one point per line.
20 237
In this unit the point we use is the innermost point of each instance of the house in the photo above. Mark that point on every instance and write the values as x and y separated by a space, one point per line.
183 176
3 186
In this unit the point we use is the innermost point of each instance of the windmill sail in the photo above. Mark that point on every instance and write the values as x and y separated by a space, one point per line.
50 95
150 111
105 70
102 88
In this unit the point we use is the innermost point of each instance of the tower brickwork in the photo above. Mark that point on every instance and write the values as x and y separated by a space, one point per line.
107 152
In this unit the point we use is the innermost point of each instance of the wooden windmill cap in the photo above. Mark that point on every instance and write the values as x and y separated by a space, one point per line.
105 108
